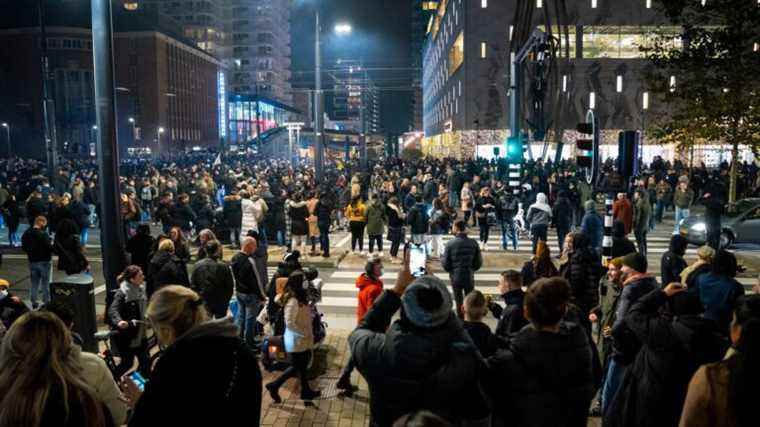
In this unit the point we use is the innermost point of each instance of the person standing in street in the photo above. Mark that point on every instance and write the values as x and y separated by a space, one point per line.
682 199
248 289
376 220
642 211
714 199
539 216
39 250
461 259
212 280
622 210
562 217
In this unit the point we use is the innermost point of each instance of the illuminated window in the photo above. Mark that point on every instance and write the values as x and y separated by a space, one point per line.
564 83
621 41
511 30
619 84
483 50
672 83
649 4
592 100
593 4
564 42
456 54
539 4
484 3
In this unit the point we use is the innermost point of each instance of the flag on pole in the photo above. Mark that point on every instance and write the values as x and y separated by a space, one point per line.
218 160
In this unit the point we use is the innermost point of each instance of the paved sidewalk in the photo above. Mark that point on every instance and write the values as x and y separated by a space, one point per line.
331 409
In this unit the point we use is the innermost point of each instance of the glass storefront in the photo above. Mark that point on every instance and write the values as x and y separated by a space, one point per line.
243 126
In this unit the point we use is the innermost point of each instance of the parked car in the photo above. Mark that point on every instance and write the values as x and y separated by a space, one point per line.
739 225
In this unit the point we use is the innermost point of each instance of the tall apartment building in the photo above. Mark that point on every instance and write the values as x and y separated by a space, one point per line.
354 92
466 68
201 21
259 48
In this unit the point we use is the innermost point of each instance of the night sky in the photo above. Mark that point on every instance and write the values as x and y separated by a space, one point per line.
380 39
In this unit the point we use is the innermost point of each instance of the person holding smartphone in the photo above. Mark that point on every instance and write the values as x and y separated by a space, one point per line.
126 315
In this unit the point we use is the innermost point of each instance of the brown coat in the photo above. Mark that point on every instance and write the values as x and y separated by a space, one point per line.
622 210
706 402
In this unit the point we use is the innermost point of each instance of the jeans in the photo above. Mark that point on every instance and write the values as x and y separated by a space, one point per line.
641 240
249 307
508 233
395 242
658 210
235 236
357 234
12 237
280 236
485 230
561 234
436 245
652 218
538 232
453 199
459 293
324 239
299 366
375 238
681 213
40 272
84 235
263 240
612 380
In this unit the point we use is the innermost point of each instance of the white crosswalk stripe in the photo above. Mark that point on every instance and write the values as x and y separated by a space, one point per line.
339 291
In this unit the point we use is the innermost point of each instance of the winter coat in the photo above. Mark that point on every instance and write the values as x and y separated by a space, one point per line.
299 216
80 214
539 213
409 368
625 344
369 290
311 207
440 222
11 214
418 219
228 380
299 331
429 191
36 243
233 211
205 218
672 262
213 281
562 214
324 213
126 309
376 218
165 269
253 214
622 210
34 208
708 401
182 216
485 340
395 216
593 227
654 387
97 375
544 379
642 209
530 272
718 295
11 308
683 199
511 317
583 271
356 212
461 259
70 253
246 280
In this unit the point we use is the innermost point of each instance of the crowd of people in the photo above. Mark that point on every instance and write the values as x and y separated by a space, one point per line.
572 338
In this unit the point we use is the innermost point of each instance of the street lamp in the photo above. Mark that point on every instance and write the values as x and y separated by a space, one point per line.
131 121
160 132
8 133
343 29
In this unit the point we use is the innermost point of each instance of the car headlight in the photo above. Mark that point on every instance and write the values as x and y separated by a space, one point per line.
699 227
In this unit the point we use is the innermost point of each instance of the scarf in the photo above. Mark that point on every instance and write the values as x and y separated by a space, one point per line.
136 293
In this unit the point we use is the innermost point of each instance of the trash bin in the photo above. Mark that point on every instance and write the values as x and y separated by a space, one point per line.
78 292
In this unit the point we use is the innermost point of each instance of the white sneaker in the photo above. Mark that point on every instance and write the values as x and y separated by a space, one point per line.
380 254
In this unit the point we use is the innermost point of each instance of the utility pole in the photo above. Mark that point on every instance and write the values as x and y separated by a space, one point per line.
319 123
48 104
112 232
363 114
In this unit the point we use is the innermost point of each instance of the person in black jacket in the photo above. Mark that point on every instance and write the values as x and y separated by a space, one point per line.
545 377
475 309
140 246
205 215
183 215
485 205
248 289
205 376
68 247
582 270
126 315
506 209
212 280
672 262
12 215
165 268
562 217
423 360
418 220
674 345
511 317
36 206
39 251
80 213
621 245
324 218
11 306
714 200
461 259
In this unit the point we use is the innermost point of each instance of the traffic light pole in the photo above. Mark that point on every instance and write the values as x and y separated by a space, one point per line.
319 124
48 104
112 237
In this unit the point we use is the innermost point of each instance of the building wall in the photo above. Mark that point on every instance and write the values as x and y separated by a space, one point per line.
484 103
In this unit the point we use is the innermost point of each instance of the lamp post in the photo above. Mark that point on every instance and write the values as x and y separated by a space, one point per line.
160 131
48 104
131 121
8 133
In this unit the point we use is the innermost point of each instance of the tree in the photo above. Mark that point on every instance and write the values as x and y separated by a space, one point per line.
708 79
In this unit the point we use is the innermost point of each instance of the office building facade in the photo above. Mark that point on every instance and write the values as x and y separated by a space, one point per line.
466 61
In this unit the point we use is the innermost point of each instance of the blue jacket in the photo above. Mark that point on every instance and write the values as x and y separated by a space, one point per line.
718 294
593 227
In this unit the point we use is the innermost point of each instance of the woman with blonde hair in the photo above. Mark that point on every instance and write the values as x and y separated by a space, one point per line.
206 373
41 377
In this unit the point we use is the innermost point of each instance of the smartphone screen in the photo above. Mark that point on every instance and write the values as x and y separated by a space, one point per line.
138 379
417 259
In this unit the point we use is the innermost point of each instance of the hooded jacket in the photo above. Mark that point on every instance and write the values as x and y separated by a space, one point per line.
539 213
593 226
583 271
461 259
165 269
213 281
180 392
672 262
369 290
375 218
654 387
625 344
408 367
544 379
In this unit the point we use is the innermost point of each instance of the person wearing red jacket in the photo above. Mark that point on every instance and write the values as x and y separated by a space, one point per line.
370 287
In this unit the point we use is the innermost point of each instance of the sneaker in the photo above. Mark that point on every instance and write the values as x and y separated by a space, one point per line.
274 393
380 254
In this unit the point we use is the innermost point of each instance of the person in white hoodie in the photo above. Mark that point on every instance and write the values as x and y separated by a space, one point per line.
539 217
254 208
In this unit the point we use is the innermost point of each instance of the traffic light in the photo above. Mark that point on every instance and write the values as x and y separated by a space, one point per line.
585 145
514 150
